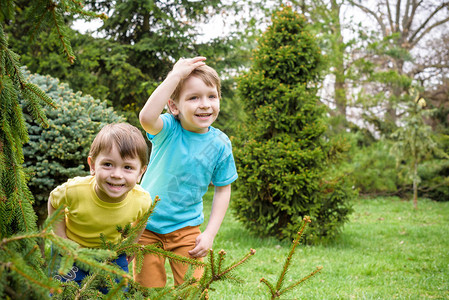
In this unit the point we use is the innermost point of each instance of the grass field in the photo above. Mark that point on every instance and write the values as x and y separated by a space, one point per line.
387 250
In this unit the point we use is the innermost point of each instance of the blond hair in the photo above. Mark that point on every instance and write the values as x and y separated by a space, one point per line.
207 74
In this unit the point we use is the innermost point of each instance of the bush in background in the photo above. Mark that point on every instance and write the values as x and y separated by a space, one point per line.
374 170
60 151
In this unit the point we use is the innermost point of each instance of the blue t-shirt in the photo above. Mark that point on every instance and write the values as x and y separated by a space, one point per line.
182 165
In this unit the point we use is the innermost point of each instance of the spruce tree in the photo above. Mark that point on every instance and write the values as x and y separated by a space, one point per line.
281 153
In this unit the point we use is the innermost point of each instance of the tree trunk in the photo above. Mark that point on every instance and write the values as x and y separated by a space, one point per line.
339 65
415 185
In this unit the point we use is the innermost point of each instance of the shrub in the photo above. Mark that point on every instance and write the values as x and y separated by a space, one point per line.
281 154
434 176
60 151
374 170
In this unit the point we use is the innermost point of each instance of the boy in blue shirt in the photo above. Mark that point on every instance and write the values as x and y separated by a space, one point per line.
187 155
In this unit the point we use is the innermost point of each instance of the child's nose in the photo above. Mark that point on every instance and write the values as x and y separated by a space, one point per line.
204 102
117 173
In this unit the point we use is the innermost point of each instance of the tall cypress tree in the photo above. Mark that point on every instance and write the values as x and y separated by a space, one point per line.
281 153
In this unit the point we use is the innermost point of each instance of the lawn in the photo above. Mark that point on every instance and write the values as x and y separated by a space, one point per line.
387 250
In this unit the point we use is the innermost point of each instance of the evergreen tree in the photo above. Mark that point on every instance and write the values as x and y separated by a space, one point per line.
280 152
21 264
134 50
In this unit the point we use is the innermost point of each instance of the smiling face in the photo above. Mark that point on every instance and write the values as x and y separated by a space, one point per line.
115 176
197 106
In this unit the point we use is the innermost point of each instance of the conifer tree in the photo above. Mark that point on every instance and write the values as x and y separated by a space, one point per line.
281 153
21 272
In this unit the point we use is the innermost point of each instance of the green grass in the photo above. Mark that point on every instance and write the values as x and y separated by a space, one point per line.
387 250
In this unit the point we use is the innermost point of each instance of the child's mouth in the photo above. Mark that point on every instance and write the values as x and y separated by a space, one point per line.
203 116
115 186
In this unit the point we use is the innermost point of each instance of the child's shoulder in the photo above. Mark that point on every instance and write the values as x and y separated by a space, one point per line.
73 186
219 136
139 190
77 182
141 195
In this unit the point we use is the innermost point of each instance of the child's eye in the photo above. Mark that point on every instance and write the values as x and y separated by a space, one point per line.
107 164
193 98
213 96
129 168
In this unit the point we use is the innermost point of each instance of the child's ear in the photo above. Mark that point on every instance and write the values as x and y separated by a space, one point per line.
142 171
173 107
91 165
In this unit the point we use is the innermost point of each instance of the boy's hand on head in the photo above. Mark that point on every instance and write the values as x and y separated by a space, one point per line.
184 66
203 244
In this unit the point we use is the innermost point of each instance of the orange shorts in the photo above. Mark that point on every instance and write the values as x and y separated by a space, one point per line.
179 242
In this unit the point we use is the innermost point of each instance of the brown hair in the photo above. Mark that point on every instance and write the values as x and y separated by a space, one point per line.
207 74
128 139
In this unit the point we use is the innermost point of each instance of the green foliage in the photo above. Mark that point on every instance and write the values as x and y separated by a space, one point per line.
16 214
373 169
22 275
59 152
434 176
137 46
414 141
280 152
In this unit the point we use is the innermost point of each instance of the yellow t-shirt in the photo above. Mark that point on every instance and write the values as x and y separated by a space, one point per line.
87 216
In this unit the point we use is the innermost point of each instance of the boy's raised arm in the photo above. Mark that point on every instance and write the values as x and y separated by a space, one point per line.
149 116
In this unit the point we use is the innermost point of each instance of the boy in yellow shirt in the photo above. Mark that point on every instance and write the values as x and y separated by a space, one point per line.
110 196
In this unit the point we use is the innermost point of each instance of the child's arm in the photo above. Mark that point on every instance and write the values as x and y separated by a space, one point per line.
59 227
220 204
149 116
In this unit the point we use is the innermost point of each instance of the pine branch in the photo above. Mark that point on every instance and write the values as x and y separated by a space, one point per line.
212 267
235 265
38 13
277 291
18 122
85 286
19 267
60 26
27 214
269 285
34 89
55 217
161 294
291 287
206 281
222 255
171 256
53 12
34 95
7 9
118 289
76 7
292 251
127 244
